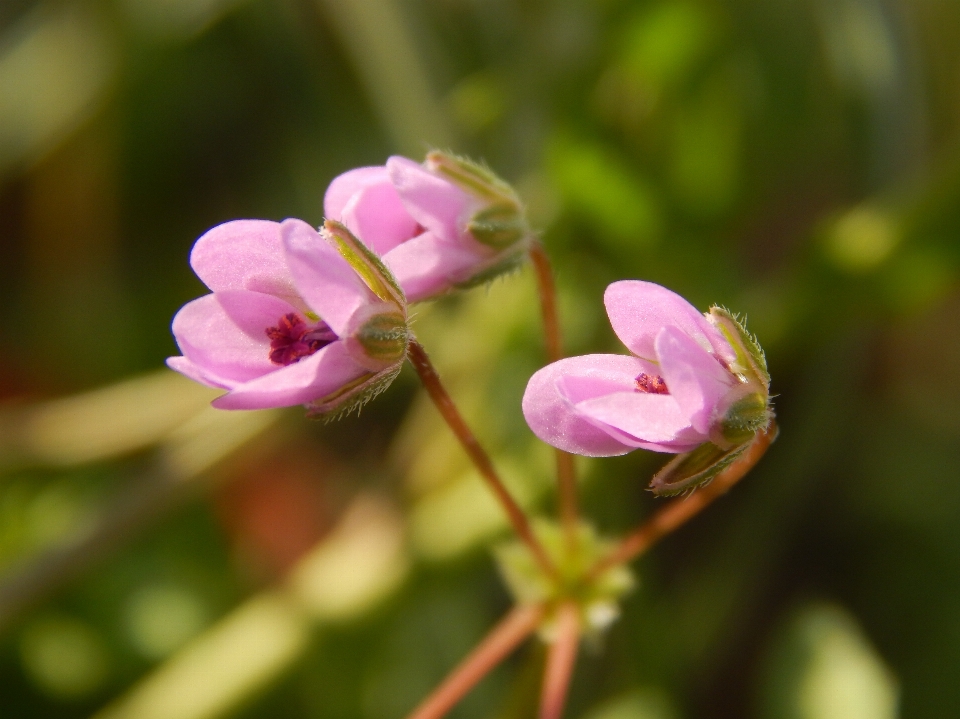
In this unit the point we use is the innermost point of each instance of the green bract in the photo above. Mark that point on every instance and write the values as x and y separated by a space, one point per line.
597 597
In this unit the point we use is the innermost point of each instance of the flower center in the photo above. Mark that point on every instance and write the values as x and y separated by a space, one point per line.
651 384
293 339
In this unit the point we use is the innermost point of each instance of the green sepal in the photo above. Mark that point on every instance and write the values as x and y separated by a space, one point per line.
500 222
503 266
498 226
743 419
472 177
366 263
384 337
353 395
692 470
749 353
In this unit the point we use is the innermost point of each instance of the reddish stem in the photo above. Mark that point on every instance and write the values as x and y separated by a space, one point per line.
548 301
566 471
682 510
519 624
448 410
560 662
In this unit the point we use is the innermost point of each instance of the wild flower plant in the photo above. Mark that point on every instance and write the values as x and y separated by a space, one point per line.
319 318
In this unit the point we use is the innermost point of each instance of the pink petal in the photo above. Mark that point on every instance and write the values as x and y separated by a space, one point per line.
198 373
694 377
324 279
375 214
548 403
433 201
346 185
244 255
427 266
588 380
311 378
639 310
224 334
650 420
688 441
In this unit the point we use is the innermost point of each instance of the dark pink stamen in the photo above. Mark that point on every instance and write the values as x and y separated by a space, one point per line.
651 384
293 339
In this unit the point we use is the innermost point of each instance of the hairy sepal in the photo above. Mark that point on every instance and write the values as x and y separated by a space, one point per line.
498 226
353 395
746 413
750 356
692 470
501 266
472 177
365 263
384 338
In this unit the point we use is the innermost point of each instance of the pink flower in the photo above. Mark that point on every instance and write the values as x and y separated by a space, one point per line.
693 378
440 226
290 320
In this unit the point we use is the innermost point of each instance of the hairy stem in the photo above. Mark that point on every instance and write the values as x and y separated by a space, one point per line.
448 410
519 624
680 511
548 301
566 471
560 661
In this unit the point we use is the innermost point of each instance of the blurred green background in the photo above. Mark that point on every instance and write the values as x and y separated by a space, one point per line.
794 160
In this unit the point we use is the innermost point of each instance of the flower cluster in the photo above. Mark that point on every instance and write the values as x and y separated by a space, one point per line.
319 318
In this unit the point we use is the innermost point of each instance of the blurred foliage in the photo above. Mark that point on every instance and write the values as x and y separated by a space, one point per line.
794 160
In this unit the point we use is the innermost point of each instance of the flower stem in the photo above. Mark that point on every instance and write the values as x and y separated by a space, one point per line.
448 410
519 624
548 301
680 511
560 662
566 471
